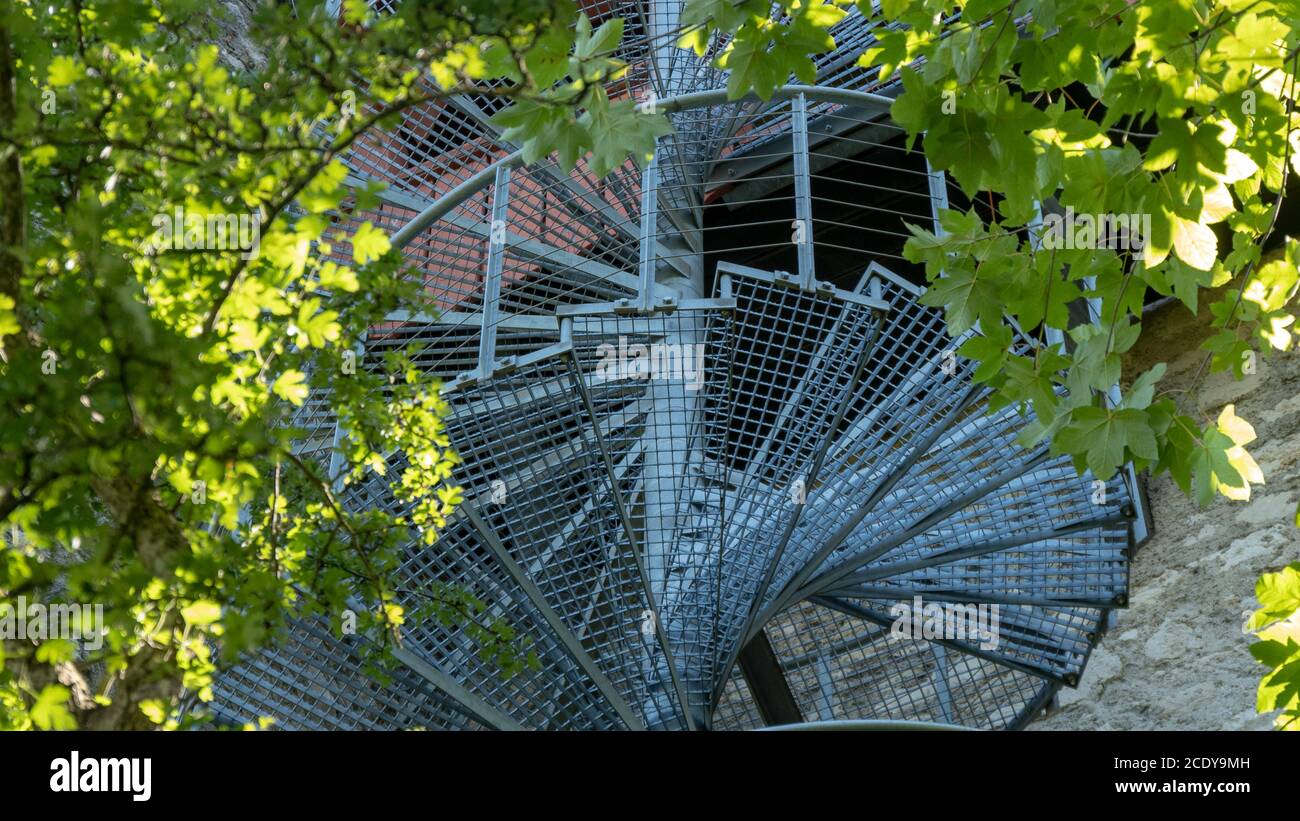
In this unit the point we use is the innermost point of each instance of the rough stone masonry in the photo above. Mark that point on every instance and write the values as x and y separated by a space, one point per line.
1177 658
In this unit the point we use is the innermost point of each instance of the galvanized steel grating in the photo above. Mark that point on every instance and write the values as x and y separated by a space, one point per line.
699 405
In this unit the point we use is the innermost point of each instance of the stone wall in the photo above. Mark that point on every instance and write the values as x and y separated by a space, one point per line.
238 51
1177 657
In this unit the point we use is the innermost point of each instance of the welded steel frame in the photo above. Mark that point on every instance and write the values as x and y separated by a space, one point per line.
846 587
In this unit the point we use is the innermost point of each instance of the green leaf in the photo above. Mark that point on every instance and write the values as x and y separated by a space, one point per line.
8 319
55 651
602 42
990 349
1279 593
50 710
154 709
1274 653
1106 438
889 53
619 130
64 71
315 327
369 243
201 612
291 386
548 59
1142 391
964 297
1195 244
751 66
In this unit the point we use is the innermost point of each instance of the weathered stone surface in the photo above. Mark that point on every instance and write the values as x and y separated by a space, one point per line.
1171 640
1103 667
1181 661
237 49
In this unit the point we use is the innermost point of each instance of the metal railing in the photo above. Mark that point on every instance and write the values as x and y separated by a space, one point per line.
697 405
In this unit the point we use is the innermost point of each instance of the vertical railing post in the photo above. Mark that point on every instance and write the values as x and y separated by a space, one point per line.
649 230
487 341
938 196
803 223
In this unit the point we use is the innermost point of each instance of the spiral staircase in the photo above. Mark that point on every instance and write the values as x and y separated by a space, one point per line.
711 439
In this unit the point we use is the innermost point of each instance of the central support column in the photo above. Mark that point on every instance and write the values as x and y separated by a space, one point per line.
767 684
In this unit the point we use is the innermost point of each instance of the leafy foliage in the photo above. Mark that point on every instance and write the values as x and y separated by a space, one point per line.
1277 623
148 462
1181 111
148 452
572 113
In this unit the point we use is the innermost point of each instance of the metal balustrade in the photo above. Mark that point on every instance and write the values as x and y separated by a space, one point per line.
711 439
